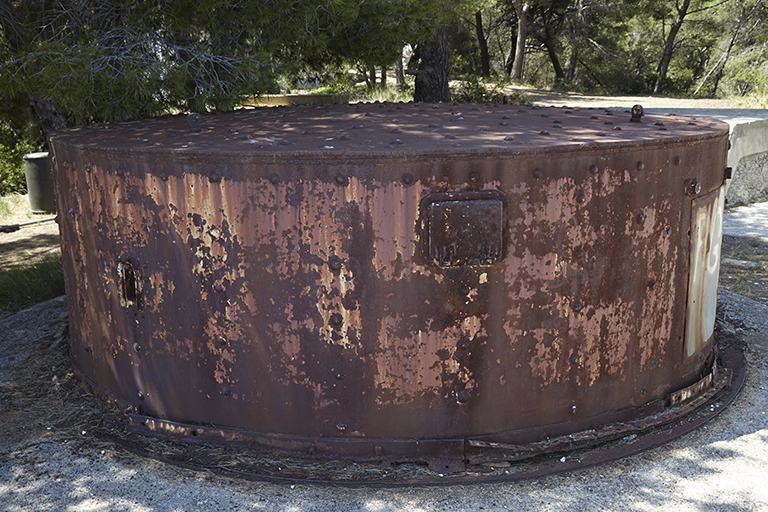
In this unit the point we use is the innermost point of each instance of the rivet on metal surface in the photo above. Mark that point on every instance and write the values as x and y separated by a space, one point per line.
544 132
576 306
218 288
578 253
141 395
463 344
136 348
593 169
194 122
164 176
338 375
377 450
285 142
637 113
692 187
77 257
667 230
407 178
336 320
509 137
120 172
652 284
81 302
575 358
537 173
640 166
449 136
274 179
221 340
344 137
341 427
334 263
340 179
474 177
464 290
214 177
573 409
462 397
225 390
581 198
397 130
640 219
86 347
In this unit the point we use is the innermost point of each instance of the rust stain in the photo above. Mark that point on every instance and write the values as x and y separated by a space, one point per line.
282 287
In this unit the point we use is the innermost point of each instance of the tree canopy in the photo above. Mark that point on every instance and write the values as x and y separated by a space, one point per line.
83 61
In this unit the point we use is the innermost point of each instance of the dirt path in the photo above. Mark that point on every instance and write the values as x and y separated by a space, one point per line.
572 99
29 242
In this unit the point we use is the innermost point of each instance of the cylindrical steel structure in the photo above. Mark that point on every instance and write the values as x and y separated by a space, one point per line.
392 279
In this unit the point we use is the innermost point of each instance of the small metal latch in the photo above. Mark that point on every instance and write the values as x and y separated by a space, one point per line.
637 113
129 285
728 173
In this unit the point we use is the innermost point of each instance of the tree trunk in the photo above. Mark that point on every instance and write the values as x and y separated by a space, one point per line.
47 116
485 58
432 75
399 75
578 30
669 46
511 59
522 34
549 43
383 77
372 75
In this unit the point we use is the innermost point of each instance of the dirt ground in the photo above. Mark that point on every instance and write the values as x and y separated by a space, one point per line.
29 242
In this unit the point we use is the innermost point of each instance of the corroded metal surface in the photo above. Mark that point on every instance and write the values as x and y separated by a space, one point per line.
389 277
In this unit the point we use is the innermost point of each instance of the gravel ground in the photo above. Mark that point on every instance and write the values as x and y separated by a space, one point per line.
721 466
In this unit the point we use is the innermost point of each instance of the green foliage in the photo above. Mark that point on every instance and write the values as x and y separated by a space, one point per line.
12 151
474 89
27 284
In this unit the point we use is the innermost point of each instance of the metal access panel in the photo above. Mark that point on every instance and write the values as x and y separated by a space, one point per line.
391 280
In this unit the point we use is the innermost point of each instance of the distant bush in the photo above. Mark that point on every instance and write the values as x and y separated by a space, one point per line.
12 151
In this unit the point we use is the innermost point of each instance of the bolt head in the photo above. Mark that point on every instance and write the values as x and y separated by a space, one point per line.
407 178
462 397
341 427
274 179
334 263
214 178
340 179
336 319
536 173
464 290
640 218
221 340
463 344
576 306
581 198
578 253
338 375
474 177
640 166
225 390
